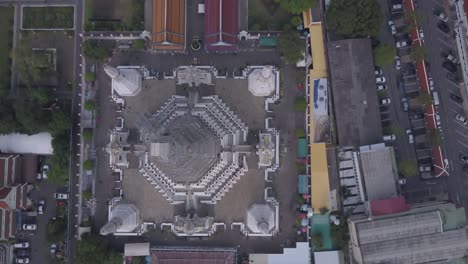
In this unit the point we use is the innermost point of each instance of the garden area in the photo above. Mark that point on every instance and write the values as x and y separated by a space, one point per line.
267 15
48 17
124 15
6 42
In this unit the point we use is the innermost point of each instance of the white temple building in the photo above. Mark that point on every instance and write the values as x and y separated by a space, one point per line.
123 218
125 81
262 219
265 150
262 81
118 148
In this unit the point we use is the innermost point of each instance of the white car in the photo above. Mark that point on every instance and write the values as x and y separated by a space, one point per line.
431 84
410 136
404 101
378 72
21 245
381 87
61 196
397 7
441 16
385 101
45 170
389 137
401 43
380 79
421 34
392 27
29 227
53 249
461 119
397 63
402 181
41 207
22 260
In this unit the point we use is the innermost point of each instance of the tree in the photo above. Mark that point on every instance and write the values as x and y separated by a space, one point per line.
300 133
58 172
60 122
138 260
89 105
87 195
323 210
96 50
300 104
424 98
384 55
297 6
354 18
88 164
418 52
87 134
94 249
90 76
412 19
296 21
56 230
139 44
317 240
30 116
291 46
408 168
41 94
434 138
340 234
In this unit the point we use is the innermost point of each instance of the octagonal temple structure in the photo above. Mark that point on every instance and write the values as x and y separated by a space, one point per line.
195 149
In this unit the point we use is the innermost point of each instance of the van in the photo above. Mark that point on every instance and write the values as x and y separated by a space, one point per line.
436 98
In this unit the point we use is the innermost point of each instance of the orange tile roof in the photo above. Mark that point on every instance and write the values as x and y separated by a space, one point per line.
169 24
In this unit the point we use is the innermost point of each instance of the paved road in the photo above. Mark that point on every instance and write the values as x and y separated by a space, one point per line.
75 161
455 135
399 84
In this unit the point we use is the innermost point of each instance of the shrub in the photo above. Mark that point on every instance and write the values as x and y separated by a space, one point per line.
87 134
88 165
89 105
300 133
90 76
87 195
300 104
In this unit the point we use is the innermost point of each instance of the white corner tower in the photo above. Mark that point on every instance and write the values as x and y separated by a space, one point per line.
123 218
125 82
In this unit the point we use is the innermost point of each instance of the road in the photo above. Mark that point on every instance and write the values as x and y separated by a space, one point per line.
455 135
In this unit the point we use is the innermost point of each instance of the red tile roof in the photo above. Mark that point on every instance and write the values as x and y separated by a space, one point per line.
221 25
169 24
389 206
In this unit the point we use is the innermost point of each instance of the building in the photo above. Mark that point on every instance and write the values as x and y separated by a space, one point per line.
461 34
354 92
221 25
125 81
429 234
297 255
169 25
123 218
329 257
201 255
262 81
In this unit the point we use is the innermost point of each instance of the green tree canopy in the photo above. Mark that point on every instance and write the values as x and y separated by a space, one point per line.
384 55
408 168
300 133
297 6
56 230
434 138
58 172
291 46
97 50
139 44
60 122
424 98
87 195
354 18
317 241
90 76
42 95
300 104
89 105
94 249
87 134
418 52
88 164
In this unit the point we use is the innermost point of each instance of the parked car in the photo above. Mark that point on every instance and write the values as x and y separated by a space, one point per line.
397 7
378 72
53 249
29 226
451 58
401 43
380 79
392 27
22 260
453 77
45 171
449 66
402 181
22 253
456 98
41 207
385 101
440 15
431 84
443 27
389 138
381 87
21 245
410 136
461 119
416 116
437 117
421 34
61 196
404 101
464 158
397 63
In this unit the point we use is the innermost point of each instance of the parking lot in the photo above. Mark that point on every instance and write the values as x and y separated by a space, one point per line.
406 119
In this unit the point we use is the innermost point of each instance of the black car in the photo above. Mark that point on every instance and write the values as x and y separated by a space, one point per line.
449 66
22 253
456 98
416 116
453 77
464 158
443 27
